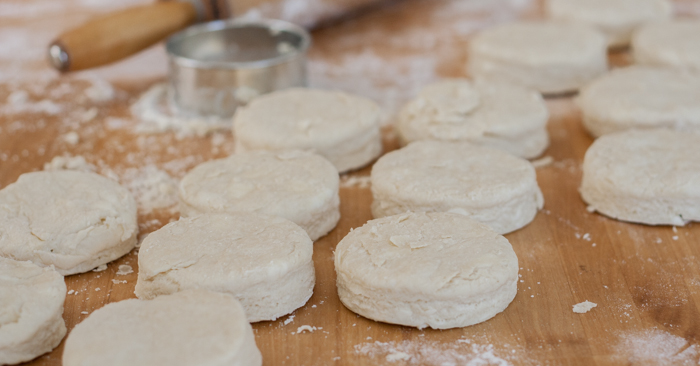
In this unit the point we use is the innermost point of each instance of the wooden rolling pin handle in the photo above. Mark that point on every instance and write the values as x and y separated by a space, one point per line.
118 35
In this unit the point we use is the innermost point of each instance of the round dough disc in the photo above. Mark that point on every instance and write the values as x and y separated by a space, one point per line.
194 327
494 114
646 176
264 261
550 57
31 310
299 186
485 184
617 19
73 220
669 44
437 270
341 127
641 97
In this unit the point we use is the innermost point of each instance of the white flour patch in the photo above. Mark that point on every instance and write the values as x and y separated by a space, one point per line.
152 188
584 307
461 352
657 347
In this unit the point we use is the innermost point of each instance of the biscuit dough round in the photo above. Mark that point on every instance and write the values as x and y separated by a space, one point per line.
31 310
485 184
438 270
641 97
494 114
669 44
341 127
73 220
297 185
617 19
644 176
263 261
550 57
193 327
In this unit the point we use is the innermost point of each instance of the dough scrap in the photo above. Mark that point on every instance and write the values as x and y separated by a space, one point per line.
341 127
438 270
193 327
73 220
550 57
644 176
299 186
31 310
617 19
641 97
672 43
263 261
485 184
494 114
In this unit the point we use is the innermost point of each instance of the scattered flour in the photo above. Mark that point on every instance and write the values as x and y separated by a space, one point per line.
69 163
353 181
657 347
543 162
71 138
153 189
584 307
288 320
430 353
156 116
100 268
124 269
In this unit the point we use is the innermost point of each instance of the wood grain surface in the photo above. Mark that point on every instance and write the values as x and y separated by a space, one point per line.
645 280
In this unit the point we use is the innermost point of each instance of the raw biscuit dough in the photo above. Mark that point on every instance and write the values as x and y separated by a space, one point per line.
438 270
499 115
193 327
673 44
617 19
641 97
485 184
264 261
644 176
341 127
550 57
297 185
31 310
73 220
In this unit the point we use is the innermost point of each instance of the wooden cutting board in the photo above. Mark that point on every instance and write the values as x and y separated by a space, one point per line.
645 280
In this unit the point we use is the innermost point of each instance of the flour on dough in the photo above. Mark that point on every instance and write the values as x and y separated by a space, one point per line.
494 114
617 19
297 185
341 127
438 270
263 261
644 176
672 43
31 310
550 57
641 97
72 220
193 327
485 184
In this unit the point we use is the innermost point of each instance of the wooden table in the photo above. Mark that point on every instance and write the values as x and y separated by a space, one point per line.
645 280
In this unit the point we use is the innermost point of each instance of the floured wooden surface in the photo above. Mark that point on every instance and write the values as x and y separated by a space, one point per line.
644 280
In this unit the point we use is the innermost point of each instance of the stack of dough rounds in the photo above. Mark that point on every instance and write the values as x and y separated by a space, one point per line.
485 184
31 310
499 115
73 220
671 44
297 185
264 261
341 127
194 327
550 57
437 270
617 19
645 176
641 97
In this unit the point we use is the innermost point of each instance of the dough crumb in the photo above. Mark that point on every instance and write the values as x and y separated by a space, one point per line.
100 268
84 312
124 269
360 182
590 208
308 328
71 292
117 282
675 237
69 163
543 162
584 307
289 320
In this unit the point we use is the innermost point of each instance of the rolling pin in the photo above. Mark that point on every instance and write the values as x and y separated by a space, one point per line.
115 36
